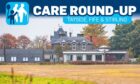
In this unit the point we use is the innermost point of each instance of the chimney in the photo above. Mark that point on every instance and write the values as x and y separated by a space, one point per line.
70 34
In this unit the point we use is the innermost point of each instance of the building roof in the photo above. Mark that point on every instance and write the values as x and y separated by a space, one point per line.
60 30
70 40
58 39
22 52
95 52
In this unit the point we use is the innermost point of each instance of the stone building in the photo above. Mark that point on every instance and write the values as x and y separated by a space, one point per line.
81 49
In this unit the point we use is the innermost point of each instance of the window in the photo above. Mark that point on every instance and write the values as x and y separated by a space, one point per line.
73 46
63 43
119 57
70 57
79 57
98 57
37 58
83 46
1 59
89 57
25 59
13 59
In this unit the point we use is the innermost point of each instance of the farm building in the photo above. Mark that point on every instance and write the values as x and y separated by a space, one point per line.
21 55
27 55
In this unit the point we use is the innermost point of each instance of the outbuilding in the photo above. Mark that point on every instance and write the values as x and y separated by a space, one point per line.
21 55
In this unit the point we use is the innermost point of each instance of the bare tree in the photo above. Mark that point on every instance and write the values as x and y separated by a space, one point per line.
23 41
41 42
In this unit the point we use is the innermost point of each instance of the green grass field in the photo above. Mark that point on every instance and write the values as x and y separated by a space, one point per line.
7 79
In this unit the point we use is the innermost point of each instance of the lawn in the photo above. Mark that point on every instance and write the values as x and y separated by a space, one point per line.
7 79
101 74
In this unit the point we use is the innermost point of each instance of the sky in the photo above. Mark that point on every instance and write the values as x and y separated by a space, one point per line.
40 26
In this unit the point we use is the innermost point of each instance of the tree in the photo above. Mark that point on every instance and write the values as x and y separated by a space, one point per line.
58 50
23 41
120 38
9 41
41 42
127 37
1 42
138 59
130 52
96 34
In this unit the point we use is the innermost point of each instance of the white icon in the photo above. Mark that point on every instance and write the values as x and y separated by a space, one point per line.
21 13
16 10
